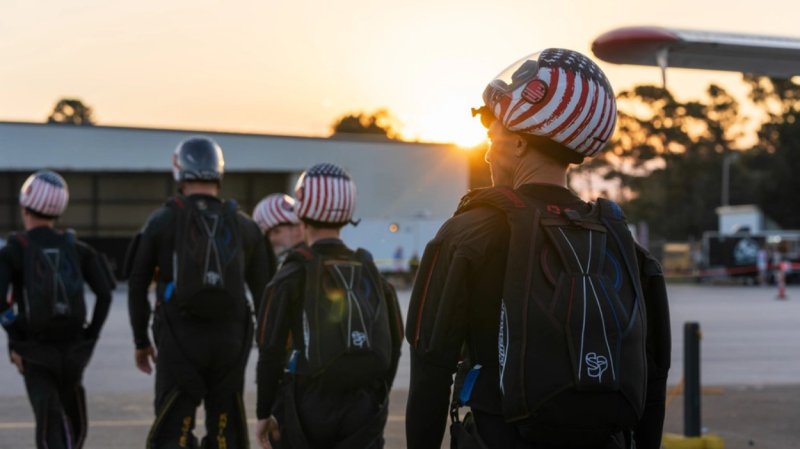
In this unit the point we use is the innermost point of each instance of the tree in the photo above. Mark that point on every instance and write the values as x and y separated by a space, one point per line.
774 162
71 111
378 123
667 158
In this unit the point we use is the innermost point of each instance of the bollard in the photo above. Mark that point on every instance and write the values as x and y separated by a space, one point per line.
691 398
691 376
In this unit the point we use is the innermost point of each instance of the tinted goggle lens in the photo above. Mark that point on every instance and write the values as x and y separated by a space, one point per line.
486 116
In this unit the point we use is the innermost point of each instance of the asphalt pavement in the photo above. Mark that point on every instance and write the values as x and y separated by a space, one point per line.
750 355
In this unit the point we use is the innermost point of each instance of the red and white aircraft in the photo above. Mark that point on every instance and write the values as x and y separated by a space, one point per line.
774 56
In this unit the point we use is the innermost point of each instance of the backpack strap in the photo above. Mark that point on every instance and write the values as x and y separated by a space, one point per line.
300 254
176 202
501 198
610 210
614 218
22 238
365 257
231 206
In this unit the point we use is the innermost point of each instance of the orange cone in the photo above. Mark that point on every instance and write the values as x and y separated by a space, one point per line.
782 280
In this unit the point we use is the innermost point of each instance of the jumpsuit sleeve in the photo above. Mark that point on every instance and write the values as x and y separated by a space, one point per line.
95 274
259 268
396 327
7 275
145 260
436 328
649 430
274 323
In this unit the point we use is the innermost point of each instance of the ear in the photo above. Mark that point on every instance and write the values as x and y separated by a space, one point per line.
521 146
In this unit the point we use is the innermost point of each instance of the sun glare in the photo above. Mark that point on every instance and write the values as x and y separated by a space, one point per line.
462 130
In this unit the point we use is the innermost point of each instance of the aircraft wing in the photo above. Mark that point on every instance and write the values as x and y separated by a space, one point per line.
774 56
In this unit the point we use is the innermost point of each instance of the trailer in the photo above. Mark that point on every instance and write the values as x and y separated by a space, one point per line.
735 255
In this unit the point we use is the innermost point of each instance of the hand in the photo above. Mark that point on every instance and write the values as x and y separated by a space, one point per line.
143 357
266 428
16 359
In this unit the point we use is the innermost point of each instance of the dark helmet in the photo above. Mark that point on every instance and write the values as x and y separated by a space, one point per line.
198 159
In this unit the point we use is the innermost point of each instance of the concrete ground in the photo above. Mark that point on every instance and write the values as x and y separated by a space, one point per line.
750 372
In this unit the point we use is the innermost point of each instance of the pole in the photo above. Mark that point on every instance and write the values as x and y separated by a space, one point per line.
691 376
726 176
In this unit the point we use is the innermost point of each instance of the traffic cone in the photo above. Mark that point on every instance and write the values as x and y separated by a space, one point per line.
782 281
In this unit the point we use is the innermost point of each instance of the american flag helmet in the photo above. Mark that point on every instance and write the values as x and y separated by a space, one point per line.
45 192
325 193
274 210
558 94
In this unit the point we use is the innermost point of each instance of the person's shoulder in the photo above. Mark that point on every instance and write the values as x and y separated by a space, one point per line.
84 248
246 220
475 222
10 245
292 271
159 220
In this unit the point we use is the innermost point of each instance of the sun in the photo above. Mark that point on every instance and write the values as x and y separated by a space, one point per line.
446 126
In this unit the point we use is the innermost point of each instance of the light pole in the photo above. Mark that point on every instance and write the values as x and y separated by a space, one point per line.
726 176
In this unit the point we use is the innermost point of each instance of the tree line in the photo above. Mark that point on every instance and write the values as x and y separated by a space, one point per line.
667 157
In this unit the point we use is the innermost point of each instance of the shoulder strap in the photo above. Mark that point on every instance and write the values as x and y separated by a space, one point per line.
230 206
616 223
365 257
301 254
70 237
22 238
610 210
501 198
176 202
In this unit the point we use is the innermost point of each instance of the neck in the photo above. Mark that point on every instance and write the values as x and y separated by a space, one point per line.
537 169
30 222
313 234
202 188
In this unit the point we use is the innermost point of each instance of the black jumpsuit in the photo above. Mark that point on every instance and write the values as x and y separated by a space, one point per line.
55 358
198 360
456 304
326 415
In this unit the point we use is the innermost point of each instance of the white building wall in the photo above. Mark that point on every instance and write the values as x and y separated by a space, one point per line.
414 186
733 218
394 179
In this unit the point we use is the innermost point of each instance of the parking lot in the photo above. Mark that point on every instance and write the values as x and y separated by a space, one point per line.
750 349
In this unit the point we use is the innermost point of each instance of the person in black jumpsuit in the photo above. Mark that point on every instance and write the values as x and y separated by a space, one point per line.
328 411
198 359
545 112
51 359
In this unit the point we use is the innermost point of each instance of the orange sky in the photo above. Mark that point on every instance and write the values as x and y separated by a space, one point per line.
293 67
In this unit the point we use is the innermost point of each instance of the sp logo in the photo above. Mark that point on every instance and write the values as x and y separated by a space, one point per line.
213 278
358 339
596 365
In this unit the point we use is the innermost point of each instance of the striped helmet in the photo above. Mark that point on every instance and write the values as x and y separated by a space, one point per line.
557 94
44 192
325 194
274 210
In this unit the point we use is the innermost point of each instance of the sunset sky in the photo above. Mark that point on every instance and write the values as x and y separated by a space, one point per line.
292 67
